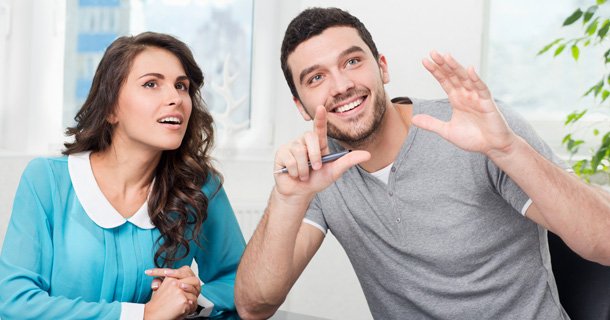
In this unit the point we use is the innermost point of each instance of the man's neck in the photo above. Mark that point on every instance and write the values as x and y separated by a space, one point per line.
389 138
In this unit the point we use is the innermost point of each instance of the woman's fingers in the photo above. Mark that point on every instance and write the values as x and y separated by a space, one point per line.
181 273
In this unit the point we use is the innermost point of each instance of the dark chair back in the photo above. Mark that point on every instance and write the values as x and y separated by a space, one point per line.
584 286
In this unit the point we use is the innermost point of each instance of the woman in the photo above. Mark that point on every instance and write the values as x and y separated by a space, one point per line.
134 198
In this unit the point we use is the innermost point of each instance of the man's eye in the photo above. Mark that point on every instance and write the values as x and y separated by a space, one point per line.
315 78
352 62
150 84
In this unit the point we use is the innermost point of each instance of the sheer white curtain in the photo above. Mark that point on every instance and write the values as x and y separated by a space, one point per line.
31 66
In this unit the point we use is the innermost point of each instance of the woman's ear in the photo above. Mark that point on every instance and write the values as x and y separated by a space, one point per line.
112 118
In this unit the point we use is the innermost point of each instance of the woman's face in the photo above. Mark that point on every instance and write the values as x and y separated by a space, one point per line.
154 105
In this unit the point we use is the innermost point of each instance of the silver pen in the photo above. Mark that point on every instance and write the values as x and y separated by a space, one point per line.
326 158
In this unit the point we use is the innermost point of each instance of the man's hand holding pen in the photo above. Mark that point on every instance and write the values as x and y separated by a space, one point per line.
302 159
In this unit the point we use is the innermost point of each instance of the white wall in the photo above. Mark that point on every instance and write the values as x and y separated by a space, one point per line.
404 31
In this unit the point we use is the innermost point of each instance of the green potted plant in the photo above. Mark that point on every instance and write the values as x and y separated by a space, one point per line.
595 29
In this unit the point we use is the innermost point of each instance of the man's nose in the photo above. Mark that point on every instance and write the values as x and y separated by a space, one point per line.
341 84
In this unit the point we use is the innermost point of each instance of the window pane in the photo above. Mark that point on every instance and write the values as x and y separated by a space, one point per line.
539 87
218 32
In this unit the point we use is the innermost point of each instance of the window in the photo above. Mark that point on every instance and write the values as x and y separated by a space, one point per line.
542 88
218 32
65 40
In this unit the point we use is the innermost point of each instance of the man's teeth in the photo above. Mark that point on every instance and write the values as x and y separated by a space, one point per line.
349 106
173 120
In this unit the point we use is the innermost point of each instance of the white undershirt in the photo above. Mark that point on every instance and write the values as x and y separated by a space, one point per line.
383 174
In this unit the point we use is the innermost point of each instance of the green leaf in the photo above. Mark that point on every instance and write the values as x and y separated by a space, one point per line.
573 146
601 153
589 14
558 51
575 16
600 2
592 28
574 116
570 145
604 30
548 46
575 52
587 43
605 95
595 132
566 138
598 89
595 89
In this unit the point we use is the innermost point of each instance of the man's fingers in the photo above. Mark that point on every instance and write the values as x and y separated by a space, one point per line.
319 127
314 152
449 72
347 161
459 71
439 75
298 156
429 123
479 85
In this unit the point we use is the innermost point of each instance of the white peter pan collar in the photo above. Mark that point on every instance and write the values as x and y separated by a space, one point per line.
93 200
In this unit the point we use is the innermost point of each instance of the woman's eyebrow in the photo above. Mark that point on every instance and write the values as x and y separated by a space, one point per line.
154 74
161 76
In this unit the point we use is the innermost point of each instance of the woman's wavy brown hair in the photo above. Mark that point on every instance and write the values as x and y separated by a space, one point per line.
177 206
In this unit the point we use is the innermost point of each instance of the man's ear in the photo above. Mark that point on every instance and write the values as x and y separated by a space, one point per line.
302 110
383 67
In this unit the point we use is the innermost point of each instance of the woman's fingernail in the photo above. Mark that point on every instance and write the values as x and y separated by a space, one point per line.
148 271
168 272
155 285
184 286
191 302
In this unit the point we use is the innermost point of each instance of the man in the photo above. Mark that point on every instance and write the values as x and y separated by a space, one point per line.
443 205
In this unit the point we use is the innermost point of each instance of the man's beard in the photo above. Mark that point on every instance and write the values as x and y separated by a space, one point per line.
359 134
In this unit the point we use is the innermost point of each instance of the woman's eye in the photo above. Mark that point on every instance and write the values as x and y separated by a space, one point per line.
182 86
150 84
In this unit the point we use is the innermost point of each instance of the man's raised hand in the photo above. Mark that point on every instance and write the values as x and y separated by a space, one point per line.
476 124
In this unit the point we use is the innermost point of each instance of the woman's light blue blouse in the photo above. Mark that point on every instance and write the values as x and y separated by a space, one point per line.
68 254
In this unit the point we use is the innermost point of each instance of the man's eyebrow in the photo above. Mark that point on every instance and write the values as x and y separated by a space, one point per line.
306 72
342 55
349 51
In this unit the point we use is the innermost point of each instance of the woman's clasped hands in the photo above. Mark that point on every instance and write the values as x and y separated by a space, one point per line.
175 293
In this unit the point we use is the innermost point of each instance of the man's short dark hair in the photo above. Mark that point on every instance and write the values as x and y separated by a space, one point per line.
313 22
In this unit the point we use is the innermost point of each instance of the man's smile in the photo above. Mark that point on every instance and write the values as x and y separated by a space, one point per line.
348 107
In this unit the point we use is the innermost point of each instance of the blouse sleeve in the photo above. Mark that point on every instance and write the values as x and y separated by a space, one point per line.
27 256
223 245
